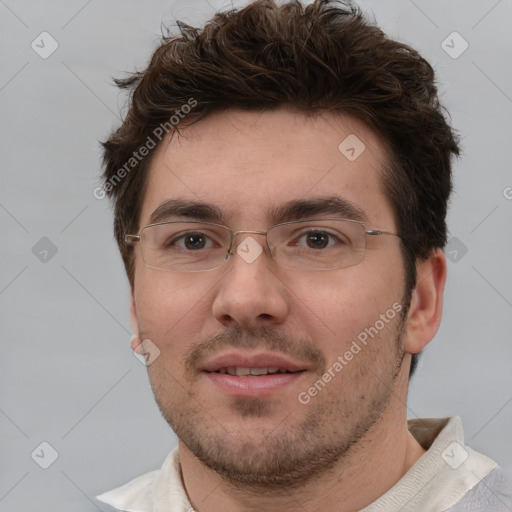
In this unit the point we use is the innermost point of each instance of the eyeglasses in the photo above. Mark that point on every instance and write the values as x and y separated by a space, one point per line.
320 244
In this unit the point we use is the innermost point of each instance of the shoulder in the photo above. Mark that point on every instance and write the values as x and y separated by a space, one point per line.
494 492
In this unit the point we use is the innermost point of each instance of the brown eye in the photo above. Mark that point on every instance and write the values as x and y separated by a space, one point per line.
194 241
190 241
317 240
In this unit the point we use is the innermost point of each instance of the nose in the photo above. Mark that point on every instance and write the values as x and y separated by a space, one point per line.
251 293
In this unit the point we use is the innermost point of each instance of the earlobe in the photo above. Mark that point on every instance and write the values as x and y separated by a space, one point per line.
425 312
135 340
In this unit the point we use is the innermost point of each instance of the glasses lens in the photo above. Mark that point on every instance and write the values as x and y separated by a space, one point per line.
318 245
184 246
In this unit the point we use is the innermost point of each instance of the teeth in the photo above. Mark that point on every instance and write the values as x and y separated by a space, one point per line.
259 371
245 372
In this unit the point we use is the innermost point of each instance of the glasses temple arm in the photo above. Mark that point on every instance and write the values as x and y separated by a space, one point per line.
131 239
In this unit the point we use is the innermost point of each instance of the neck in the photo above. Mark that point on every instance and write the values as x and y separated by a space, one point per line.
370 469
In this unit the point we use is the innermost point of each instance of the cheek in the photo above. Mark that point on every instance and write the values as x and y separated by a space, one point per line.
334 309
170 309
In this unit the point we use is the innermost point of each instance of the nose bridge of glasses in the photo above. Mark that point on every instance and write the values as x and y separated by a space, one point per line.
234 234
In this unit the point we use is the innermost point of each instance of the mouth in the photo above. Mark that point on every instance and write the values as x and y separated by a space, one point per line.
252 372
252 375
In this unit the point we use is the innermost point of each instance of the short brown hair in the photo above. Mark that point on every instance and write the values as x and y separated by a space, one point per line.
321 57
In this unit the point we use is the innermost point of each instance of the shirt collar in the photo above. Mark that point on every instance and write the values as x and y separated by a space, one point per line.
157 491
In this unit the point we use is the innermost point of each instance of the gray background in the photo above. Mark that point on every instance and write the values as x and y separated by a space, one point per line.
67 374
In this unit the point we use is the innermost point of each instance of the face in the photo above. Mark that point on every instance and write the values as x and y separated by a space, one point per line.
277 428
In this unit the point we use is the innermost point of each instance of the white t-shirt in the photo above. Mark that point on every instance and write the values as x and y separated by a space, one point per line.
449 476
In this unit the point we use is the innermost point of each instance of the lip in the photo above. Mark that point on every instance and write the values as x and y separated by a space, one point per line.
252 386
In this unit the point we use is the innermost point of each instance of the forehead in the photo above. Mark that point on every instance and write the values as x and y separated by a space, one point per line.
248 164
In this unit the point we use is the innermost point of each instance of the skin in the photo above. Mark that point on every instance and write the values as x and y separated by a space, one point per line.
350 443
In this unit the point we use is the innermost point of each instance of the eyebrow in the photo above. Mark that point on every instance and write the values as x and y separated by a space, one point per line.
193 210
299 209
304 208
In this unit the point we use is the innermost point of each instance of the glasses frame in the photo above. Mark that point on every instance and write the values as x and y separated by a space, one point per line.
131 239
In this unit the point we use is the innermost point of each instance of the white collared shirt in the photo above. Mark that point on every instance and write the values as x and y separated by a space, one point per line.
449 474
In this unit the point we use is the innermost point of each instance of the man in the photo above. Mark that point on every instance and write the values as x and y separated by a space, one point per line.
280 186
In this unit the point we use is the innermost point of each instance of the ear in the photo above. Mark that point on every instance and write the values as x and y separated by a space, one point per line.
135 341
426 307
